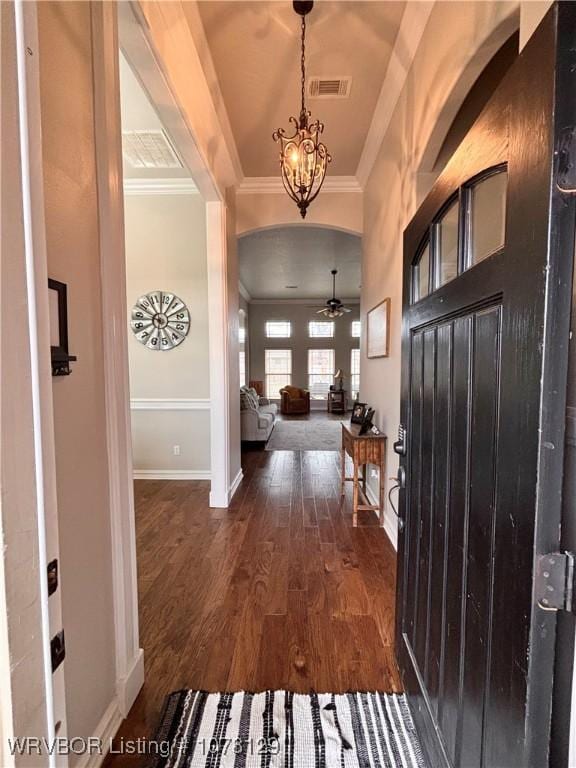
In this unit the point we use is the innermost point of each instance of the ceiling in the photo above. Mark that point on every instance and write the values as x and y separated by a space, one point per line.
272 259
138 114
255 50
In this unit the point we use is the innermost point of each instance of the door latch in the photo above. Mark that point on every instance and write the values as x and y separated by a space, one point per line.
555 582
400 445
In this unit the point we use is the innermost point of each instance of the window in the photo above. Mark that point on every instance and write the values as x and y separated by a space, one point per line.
447 246
355 373
278 370
320 372
242 335
356 329
279 329
487 216
421 276
320 330
242 368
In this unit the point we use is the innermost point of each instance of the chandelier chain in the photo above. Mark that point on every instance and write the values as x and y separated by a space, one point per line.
303 62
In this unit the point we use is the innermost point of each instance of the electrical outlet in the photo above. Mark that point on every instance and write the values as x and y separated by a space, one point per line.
176 450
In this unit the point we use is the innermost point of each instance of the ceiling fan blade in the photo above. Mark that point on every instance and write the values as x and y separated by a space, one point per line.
345 309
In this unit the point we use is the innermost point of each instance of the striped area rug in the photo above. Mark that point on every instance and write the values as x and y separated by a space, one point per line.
278 729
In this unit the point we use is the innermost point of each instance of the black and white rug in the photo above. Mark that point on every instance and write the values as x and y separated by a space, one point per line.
277 729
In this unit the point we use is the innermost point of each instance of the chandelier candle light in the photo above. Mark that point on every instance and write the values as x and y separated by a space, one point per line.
303 157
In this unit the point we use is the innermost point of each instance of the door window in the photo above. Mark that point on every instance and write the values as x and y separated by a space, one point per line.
447 253
447 246
486 217
421 275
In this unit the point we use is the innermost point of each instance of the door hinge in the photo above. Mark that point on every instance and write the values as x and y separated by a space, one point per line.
555 582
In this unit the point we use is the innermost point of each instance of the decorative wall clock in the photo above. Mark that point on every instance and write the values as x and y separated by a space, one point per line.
160 320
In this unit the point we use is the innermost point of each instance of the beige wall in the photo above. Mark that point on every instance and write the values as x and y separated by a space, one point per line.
71 206
166 250
299 315
450 44
337 210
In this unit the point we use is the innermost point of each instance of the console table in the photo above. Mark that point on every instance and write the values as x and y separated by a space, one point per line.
337 401
363 450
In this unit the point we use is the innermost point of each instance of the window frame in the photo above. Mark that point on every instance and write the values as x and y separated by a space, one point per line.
278 322
242 366
288 352
352 373
331 323
359 323
467 190
311 352
463 196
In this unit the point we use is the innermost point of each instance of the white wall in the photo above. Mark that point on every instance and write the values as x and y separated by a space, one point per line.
166 250
457 37
22 701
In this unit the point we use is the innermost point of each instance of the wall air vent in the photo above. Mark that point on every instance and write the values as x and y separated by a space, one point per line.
329 87
149 149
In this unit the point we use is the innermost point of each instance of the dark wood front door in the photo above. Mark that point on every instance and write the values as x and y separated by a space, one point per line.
487 292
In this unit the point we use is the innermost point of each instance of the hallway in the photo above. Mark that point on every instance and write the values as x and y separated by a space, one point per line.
279 591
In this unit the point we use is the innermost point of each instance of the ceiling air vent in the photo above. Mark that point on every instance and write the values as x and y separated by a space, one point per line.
329 87
149 149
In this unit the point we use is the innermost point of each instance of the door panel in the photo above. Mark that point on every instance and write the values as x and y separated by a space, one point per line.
483 393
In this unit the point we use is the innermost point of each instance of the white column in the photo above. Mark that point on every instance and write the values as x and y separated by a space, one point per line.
219 369
129 655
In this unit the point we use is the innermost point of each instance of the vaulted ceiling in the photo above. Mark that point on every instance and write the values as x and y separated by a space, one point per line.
255 48
295 262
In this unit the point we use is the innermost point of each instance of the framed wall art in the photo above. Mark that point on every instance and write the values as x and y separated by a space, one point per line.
378 330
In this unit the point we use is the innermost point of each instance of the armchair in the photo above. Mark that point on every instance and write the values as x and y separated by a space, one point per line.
294 401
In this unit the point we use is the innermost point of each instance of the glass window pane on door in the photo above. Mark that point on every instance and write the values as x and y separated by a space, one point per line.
421 276
487 216
447 246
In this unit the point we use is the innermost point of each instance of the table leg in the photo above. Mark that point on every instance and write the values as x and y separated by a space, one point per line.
382 489
343 471
355 509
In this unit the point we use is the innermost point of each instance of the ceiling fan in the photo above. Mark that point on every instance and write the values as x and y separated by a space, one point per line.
334 307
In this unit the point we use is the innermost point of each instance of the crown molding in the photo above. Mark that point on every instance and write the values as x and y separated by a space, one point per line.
412 28
272 185
244 292
160 187
319 302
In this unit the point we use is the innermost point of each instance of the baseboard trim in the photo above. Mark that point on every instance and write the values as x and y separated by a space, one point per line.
128 687
172 474
389 521
235 484
105 731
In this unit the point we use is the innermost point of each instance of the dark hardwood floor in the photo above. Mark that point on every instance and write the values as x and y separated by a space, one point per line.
279 591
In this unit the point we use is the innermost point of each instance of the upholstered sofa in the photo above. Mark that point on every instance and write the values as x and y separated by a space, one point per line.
294 400
257 416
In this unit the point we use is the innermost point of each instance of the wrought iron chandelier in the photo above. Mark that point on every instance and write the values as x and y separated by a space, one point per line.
303 157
